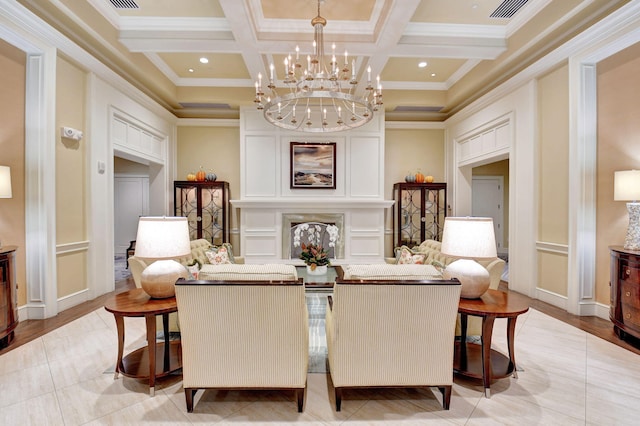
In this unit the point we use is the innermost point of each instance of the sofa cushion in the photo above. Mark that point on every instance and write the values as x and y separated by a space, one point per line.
219 255
406 256
198 249
384 271
251 272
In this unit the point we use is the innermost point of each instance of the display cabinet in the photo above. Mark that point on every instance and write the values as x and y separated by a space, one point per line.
8 295
419 212
206 207
624 310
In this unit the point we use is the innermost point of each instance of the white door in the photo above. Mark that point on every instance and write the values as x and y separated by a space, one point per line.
130 201
487 201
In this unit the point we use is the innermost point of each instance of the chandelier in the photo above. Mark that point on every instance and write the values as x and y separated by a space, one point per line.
319 97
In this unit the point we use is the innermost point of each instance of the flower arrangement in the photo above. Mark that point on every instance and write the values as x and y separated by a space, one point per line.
313 253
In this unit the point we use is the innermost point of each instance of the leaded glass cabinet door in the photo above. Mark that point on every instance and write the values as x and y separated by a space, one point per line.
419 212
206 207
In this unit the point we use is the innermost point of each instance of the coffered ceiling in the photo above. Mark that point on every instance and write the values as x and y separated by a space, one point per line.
157 45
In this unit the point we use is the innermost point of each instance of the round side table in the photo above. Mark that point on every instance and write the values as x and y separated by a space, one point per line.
480 361
141 363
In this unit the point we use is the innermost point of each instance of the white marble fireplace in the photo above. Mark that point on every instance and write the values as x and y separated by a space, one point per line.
265 230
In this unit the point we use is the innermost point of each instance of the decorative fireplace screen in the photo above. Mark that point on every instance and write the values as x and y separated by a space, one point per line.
289 222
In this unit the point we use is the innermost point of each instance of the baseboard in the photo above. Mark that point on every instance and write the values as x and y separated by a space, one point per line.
72 300
551 298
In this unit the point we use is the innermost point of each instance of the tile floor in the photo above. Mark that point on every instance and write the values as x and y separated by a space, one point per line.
568 377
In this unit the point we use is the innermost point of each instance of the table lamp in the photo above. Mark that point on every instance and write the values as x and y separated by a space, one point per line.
626 187
160 240
469 238
5 184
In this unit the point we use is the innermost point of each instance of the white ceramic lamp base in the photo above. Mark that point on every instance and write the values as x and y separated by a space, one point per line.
158 279
474 278
632 240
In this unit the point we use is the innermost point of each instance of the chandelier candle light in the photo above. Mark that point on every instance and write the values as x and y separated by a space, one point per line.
320 98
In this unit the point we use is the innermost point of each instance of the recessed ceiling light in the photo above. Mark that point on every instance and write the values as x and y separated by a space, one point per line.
422 64
204 60
190 69
433 74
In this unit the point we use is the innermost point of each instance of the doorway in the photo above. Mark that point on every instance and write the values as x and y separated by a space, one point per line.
488 201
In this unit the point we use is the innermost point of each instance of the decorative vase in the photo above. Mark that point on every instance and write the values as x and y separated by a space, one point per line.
320 270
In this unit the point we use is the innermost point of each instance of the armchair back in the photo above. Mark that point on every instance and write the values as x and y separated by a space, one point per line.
243 334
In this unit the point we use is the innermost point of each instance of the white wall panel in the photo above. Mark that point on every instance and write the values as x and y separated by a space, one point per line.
366 221
259 220
364 167
260 246
260 166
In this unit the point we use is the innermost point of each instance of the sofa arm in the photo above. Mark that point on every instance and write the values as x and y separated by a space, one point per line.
136 266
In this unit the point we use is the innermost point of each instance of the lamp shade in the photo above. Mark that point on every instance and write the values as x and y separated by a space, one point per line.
469 237
626 185
162 237
5 182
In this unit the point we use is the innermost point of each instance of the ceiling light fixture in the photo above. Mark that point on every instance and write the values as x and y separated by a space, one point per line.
204 60
320 98
422 64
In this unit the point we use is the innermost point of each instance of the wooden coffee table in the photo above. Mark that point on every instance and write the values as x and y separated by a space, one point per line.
480 361
141 363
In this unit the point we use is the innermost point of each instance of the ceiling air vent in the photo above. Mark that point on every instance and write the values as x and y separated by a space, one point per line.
508 8
413 108
124 4
204 105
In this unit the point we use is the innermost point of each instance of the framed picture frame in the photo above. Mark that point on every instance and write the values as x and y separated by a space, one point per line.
313 165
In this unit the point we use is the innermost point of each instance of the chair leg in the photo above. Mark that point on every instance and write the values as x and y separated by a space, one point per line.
300 399
446 396
188 396
338 393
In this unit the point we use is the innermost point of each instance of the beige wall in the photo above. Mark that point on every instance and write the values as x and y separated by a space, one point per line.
214 149
71 220
12 145
618 149
499 168
407 152
553 194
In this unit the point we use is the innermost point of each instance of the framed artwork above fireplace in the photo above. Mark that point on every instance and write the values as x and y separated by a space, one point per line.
313 165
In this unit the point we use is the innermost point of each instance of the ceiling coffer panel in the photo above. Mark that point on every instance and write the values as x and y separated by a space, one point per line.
124 4
508 8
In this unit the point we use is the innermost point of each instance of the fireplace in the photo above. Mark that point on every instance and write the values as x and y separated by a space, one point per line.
265 228
290 220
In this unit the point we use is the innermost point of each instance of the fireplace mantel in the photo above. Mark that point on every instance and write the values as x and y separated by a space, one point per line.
311 202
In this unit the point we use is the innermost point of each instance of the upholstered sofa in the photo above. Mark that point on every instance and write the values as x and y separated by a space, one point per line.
393 330
244 334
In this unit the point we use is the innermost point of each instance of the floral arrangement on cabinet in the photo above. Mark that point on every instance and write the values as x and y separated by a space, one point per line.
313 253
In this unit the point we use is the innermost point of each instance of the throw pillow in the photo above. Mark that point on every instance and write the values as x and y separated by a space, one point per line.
219 255
406 256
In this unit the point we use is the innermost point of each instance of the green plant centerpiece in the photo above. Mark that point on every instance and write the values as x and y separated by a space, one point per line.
313 253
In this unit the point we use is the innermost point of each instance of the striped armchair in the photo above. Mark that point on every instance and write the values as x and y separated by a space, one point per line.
392 333
243 335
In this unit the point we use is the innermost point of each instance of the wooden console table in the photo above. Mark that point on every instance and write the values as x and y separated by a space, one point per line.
480 361
141 363
8 295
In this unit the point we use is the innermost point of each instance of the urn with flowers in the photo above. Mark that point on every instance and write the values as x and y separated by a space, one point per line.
314 255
